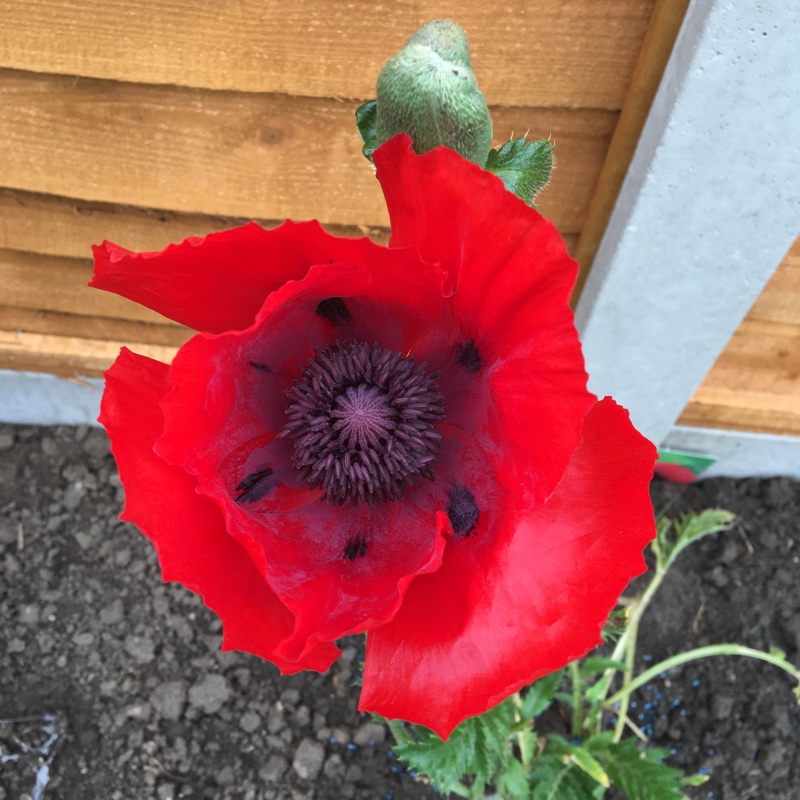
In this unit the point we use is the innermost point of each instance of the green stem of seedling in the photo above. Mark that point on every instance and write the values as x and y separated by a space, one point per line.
626 646
577 699
693 655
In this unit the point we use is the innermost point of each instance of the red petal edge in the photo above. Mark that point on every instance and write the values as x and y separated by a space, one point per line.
187 529
219 282
473 633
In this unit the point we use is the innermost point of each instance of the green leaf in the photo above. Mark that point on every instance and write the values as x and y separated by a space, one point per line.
478 747
366 117
540 694
688 529
559 746
641 774
553 779
524 167
526 741
694 780
594 666
514 782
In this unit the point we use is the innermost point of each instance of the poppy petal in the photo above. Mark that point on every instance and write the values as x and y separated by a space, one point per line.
528 605
510 313
188 530
219 282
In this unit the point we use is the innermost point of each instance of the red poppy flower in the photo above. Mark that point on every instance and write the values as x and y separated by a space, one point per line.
395 440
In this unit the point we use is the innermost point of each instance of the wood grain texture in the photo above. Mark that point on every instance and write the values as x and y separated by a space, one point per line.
55 323
68 355
49 283
755 383
241 155
64 226
572 53
656 49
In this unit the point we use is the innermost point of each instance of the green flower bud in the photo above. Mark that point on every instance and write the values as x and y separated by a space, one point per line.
429 91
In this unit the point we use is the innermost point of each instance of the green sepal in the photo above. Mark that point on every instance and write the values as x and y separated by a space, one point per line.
366 118
524 167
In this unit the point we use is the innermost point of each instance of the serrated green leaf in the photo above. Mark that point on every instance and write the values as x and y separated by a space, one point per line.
366 120
524 167
560 747
553 779
563 697
540 694
594 666
688 529
478 747
514 782
641 774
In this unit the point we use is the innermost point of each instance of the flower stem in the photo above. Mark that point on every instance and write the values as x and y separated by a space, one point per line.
577 699
626 645
693 655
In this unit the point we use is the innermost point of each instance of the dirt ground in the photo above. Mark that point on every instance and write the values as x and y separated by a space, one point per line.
114 684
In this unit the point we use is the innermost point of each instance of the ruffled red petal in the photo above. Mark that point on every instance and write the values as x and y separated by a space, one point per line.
339 570
219 282
512 278
491 621
187 529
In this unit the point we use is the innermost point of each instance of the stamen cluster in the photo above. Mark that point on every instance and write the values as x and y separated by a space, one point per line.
361 421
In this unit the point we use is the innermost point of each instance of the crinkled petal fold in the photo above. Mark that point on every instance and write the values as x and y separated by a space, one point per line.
511 278
492 620
188 530
219 282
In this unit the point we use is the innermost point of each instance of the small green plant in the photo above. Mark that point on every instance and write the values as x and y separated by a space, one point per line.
507 751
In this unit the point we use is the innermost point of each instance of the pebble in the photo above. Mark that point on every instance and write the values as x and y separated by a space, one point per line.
370 733
209 694
169 700
141 648
274 769
83 639
250 722
308 759
112 613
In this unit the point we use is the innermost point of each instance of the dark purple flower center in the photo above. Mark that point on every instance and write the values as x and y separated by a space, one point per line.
362 423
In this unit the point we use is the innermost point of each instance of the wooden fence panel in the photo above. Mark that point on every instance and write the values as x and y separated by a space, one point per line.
236 154
569 53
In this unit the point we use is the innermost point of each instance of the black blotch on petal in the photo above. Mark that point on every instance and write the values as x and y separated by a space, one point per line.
356 548
255 486
259 366
469 357
334 310
462 510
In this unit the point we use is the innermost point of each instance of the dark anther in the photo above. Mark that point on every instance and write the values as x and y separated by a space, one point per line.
356 548
255 486
259 366
462 510
334 310
361 420
469 357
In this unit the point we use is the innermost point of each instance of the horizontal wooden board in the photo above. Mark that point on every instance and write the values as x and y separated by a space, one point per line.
755 383
56 323
68 356
50 283
572 53
241 155
64 226
780 300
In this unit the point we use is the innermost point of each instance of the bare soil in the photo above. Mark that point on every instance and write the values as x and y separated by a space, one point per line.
112 685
